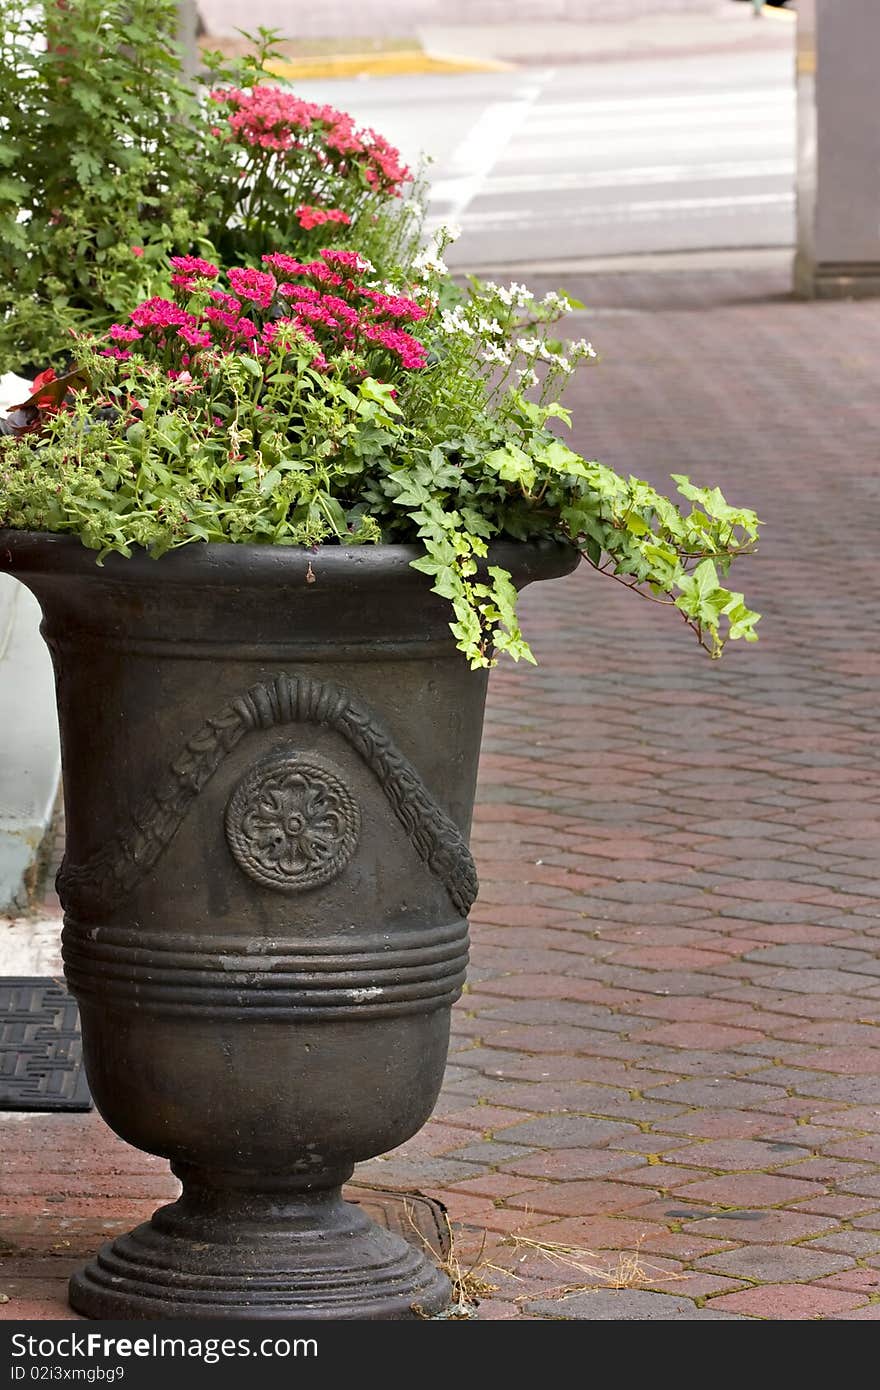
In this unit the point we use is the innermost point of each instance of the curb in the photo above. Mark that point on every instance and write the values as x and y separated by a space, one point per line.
407 63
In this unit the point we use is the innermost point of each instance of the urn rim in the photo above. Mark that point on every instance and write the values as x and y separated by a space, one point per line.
218 564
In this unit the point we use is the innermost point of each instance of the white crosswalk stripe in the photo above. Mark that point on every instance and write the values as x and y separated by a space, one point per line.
673 157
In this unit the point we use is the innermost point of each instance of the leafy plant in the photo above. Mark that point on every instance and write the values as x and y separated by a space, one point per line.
311 402
99 177
111 160
299 174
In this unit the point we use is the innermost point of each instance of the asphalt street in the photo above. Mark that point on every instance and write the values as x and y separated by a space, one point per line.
601 159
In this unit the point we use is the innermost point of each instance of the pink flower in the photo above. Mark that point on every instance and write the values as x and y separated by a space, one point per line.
194 265
245 329
411 352
196 337
136 251
349 260
338 307
256 285
228 301
309 217
396 306
160 313
287 264
298 292
122 333
119 353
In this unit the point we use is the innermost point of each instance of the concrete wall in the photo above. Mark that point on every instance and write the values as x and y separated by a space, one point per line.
838 65
400 18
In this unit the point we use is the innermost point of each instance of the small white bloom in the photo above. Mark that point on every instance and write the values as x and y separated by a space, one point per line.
450 232
557 303
455 321
520 294
528 377
489 326
530 346
582 349
504 295
391 290
430 262
493 353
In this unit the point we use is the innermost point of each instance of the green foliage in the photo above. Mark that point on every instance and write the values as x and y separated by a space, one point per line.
283 170
111 160
97 156
307 430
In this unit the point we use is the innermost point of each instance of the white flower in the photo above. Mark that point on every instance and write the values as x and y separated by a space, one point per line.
493 353
489 326
455 321
450 232
504 295
530 346
556 302
556 360
430 262
391 290
520 295
582 349
528 377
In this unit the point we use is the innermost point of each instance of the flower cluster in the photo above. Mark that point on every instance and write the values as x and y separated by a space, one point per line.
274 120
325 303
311 217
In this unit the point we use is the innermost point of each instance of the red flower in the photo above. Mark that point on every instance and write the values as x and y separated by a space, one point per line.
136 251
44 379
309 217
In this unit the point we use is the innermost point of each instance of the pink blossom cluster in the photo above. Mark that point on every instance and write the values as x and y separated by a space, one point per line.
310 217
274 120
190 269
324 300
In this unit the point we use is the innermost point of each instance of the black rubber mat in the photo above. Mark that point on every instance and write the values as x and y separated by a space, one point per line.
40 1047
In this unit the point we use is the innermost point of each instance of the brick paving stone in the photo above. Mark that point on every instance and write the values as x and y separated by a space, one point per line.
762 1227
629 1230
723 1093
738 1154
837 1204
571 1165
582 1198
857 1243
564 1131
776 1264
624 1305
869 1312
791 1302
723 1123
700 1035
853 1280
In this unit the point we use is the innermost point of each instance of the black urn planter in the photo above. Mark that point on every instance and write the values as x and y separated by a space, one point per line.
269 765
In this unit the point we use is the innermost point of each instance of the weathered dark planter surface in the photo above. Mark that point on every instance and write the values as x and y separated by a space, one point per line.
269 768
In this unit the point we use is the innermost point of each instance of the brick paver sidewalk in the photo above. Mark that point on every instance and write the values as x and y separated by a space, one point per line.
669 1054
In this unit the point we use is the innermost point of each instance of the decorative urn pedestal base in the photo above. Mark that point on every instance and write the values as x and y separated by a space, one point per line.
269 767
